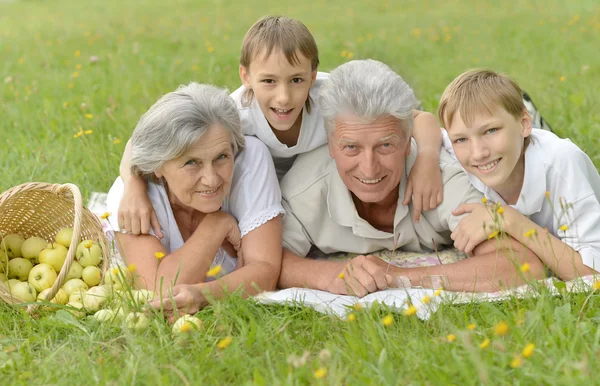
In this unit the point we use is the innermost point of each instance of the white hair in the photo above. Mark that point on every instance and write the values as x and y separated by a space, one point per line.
368 89
177 120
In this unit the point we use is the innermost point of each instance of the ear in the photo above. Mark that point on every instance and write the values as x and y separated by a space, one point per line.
313 78
158 174
408 143
526 124
245 76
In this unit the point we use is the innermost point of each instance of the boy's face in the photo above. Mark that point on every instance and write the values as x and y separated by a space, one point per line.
280 88
491 146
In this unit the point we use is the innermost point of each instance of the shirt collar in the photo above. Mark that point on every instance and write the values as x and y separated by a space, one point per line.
533 193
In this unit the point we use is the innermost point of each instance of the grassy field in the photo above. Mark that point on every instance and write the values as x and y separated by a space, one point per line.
94 67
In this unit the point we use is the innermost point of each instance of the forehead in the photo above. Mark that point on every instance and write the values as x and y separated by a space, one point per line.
277 62
353 127
476 120
215 139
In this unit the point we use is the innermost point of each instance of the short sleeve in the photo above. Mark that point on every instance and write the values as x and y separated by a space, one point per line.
255 197
294 236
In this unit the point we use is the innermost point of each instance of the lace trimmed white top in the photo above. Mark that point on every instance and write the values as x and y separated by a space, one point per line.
253 200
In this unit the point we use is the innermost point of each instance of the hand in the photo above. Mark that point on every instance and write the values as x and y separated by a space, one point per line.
474 228
136 213
179 300
424 185
361 276
232 237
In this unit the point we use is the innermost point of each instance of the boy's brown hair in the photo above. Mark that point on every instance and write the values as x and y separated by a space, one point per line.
274 33
480 91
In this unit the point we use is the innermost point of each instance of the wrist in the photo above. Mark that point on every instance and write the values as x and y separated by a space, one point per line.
429 152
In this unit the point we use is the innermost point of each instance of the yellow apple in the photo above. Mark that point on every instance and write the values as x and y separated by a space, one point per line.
42 276
11 244
89 253
142 296
76 309
3 261
18 268
54 255
186 323
94 298
119 278
61 296
12 282
23 291
91 275
3 278
77 296
74 284
64 237
137 321
105 315
32 247
75 271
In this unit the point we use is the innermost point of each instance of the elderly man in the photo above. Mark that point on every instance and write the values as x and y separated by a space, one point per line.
347 196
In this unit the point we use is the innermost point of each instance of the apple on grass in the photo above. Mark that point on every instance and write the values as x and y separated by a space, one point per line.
142 296
60 297
91 275
72 285
105 315
18 268
11 244
42 276
94 298
88 253
186 323
24 291
137 321
64 237
55 255
75 271
76 309
32 247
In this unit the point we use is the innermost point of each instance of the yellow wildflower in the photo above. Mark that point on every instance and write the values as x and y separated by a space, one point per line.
351 317
596 285
547 194
387 320
75 74
88 132
79 134
358 306
484 200
471 326
438 292
525 267
131 267
78 66
350 55
516 362
320 373
451 338
528 350
410 311
500 211
88 244
426 299
116 141
159 255
77 53
530 233
493 234
185 327
88 116
115 271
484 344
223 343
344 53
501 328
65 104
105 216
214 271
564 227
562 78
341 276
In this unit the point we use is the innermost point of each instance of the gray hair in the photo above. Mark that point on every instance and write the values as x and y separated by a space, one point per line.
176 121
369 89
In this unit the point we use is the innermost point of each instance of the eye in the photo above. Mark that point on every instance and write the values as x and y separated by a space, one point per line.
268 81
222 156
297 80
190 163
460 140
386 145
350 147
492 130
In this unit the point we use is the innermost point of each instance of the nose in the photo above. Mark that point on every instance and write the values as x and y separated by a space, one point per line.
210 177
369 165
479 150
283 95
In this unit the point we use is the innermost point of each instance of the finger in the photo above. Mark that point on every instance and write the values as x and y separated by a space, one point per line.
365 279
417 206
145 223
440 196
433 203
460 243
121 222
464 208
470 247
127 224
378 275
352 284
156 225
135 225
407 193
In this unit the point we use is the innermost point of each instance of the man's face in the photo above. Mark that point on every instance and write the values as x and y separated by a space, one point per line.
369 155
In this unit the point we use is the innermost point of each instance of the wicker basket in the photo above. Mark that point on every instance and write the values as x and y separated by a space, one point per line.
42 209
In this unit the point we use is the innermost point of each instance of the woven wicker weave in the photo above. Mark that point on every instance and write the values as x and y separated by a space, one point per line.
42 209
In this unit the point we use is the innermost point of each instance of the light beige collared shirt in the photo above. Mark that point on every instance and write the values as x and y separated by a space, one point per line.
320 210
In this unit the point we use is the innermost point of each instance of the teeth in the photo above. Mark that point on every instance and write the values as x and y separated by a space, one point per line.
280 111
488 166
207 191
371 181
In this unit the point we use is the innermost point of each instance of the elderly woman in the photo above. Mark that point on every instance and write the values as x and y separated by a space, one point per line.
216 197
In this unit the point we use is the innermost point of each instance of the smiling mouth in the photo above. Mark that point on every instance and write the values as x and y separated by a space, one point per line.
207 192
371 182
281 113
487 168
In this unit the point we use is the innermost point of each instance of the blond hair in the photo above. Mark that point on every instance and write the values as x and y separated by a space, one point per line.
273 33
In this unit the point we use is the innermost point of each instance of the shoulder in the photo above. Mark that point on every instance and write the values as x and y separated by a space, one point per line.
309 169
321 78
237 96
549 147
255 152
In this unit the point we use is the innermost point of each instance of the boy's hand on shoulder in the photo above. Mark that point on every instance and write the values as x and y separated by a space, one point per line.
136 213
424 185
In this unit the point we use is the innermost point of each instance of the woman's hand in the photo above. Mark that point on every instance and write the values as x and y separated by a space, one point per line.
231 232
136 213
424 185
475 228
179 300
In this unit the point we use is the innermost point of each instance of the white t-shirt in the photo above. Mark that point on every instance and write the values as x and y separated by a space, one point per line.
561 168
253 200
312 131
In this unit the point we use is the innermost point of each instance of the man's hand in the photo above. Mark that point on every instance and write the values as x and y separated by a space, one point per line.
361 275
179 300
424 185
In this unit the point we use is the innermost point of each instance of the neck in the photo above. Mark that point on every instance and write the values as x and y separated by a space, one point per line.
511 188
181 209
290 137
379 214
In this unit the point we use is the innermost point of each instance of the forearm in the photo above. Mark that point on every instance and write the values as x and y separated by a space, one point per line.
427 133
125 165
298 271
558 256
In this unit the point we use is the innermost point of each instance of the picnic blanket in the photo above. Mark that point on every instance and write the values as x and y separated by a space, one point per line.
425 301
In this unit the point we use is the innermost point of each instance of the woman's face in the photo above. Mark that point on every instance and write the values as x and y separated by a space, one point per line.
201 178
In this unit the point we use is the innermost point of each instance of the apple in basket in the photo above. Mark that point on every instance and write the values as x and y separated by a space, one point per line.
18 268
75 271
93 299
24 291
42 276
119 277
72 285
32 247
3 278
12 245
76 309
91 275
54 255
3 261
64 236
88 253
61 296
77 296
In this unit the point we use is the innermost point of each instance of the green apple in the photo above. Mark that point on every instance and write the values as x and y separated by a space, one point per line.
64 237
105 315
119 278
32 247
91 275
11 244
74 284
137 321
75 271
18 268
42 276
54 255
89 253
94 298
12 282
186 323
76 309
61 296
142 296
3 261
3 278
23 291
77 296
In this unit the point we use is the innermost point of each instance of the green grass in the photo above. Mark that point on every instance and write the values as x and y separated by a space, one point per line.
148 48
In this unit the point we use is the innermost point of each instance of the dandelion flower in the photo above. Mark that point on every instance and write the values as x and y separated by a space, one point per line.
528 350
75 74
105 216
351 317
88 116
410 311
341 276
320 373
131 267
596 285
350 55
79 134
493 235
530 233
344 53
159 255
223 343
88 132
516 362
451 338
387 320
214 271
525 267
115 271
564 227
358 306
438 292
65 104
484 200
78 66
562 78
426 299
500 211
77 53
471 326
116 141
501 328
484 344
547 194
